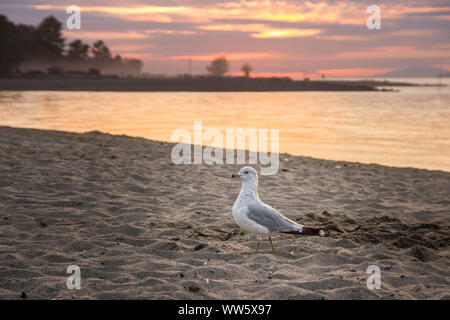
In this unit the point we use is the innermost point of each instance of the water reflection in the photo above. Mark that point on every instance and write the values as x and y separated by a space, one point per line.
409 128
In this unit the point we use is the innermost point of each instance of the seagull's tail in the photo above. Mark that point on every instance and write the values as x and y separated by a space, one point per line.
308 231
311 231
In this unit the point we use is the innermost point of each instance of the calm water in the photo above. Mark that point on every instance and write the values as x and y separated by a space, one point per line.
407 128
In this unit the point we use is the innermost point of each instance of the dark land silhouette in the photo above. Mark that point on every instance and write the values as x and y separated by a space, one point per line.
201 83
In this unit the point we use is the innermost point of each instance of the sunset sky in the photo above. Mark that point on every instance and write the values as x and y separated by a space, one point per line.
275 37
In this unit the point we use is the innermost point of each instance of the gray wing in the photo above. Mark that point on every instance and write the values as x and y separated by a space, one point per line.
270 218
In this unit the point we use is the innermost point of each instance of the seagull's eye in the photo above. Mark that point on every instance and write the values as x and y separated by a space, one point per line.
246 172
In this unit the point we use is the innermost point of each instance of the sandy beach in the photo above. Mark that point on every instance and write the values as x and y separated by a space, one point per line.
140 227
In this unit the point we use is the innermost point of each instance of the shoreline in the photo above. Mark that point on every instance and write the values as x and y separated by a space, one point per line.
141 227
92 83
282 154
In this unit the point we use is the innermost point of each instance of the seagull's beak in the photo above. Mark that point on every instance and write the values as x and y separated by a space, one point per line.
235 175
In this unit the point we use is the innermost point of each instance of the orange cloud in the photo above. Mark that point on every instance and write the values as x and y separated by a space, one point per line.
344 38
379 36
412 33
394 52
446 18
443 66
229 56
342 12
165 31
124 48
141 56
262 30
104 35
234 27
286 33
424 9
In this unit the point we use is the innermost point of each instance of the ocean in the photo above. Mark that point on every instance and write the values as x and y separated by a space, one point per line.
409 128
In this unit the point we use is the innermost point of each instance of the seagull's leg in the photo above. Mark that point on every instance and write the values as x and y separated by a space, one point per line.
257 245
271 243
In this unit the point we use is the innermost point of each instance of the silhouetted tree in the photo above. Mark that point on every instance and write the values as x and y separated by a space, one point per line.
49 40
28 43
246 68
10 56
218 67
78 51
42 48
100 51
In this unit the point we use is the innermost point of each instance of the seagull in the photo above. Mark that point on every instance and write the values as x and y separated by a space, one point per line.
256 217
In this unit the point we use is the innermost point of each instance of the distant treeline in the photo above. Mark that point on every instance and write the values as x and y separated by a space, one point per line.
29 49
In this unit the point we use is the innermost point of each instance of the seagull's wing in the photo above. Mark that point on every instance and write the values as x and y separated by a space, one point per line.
270 218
